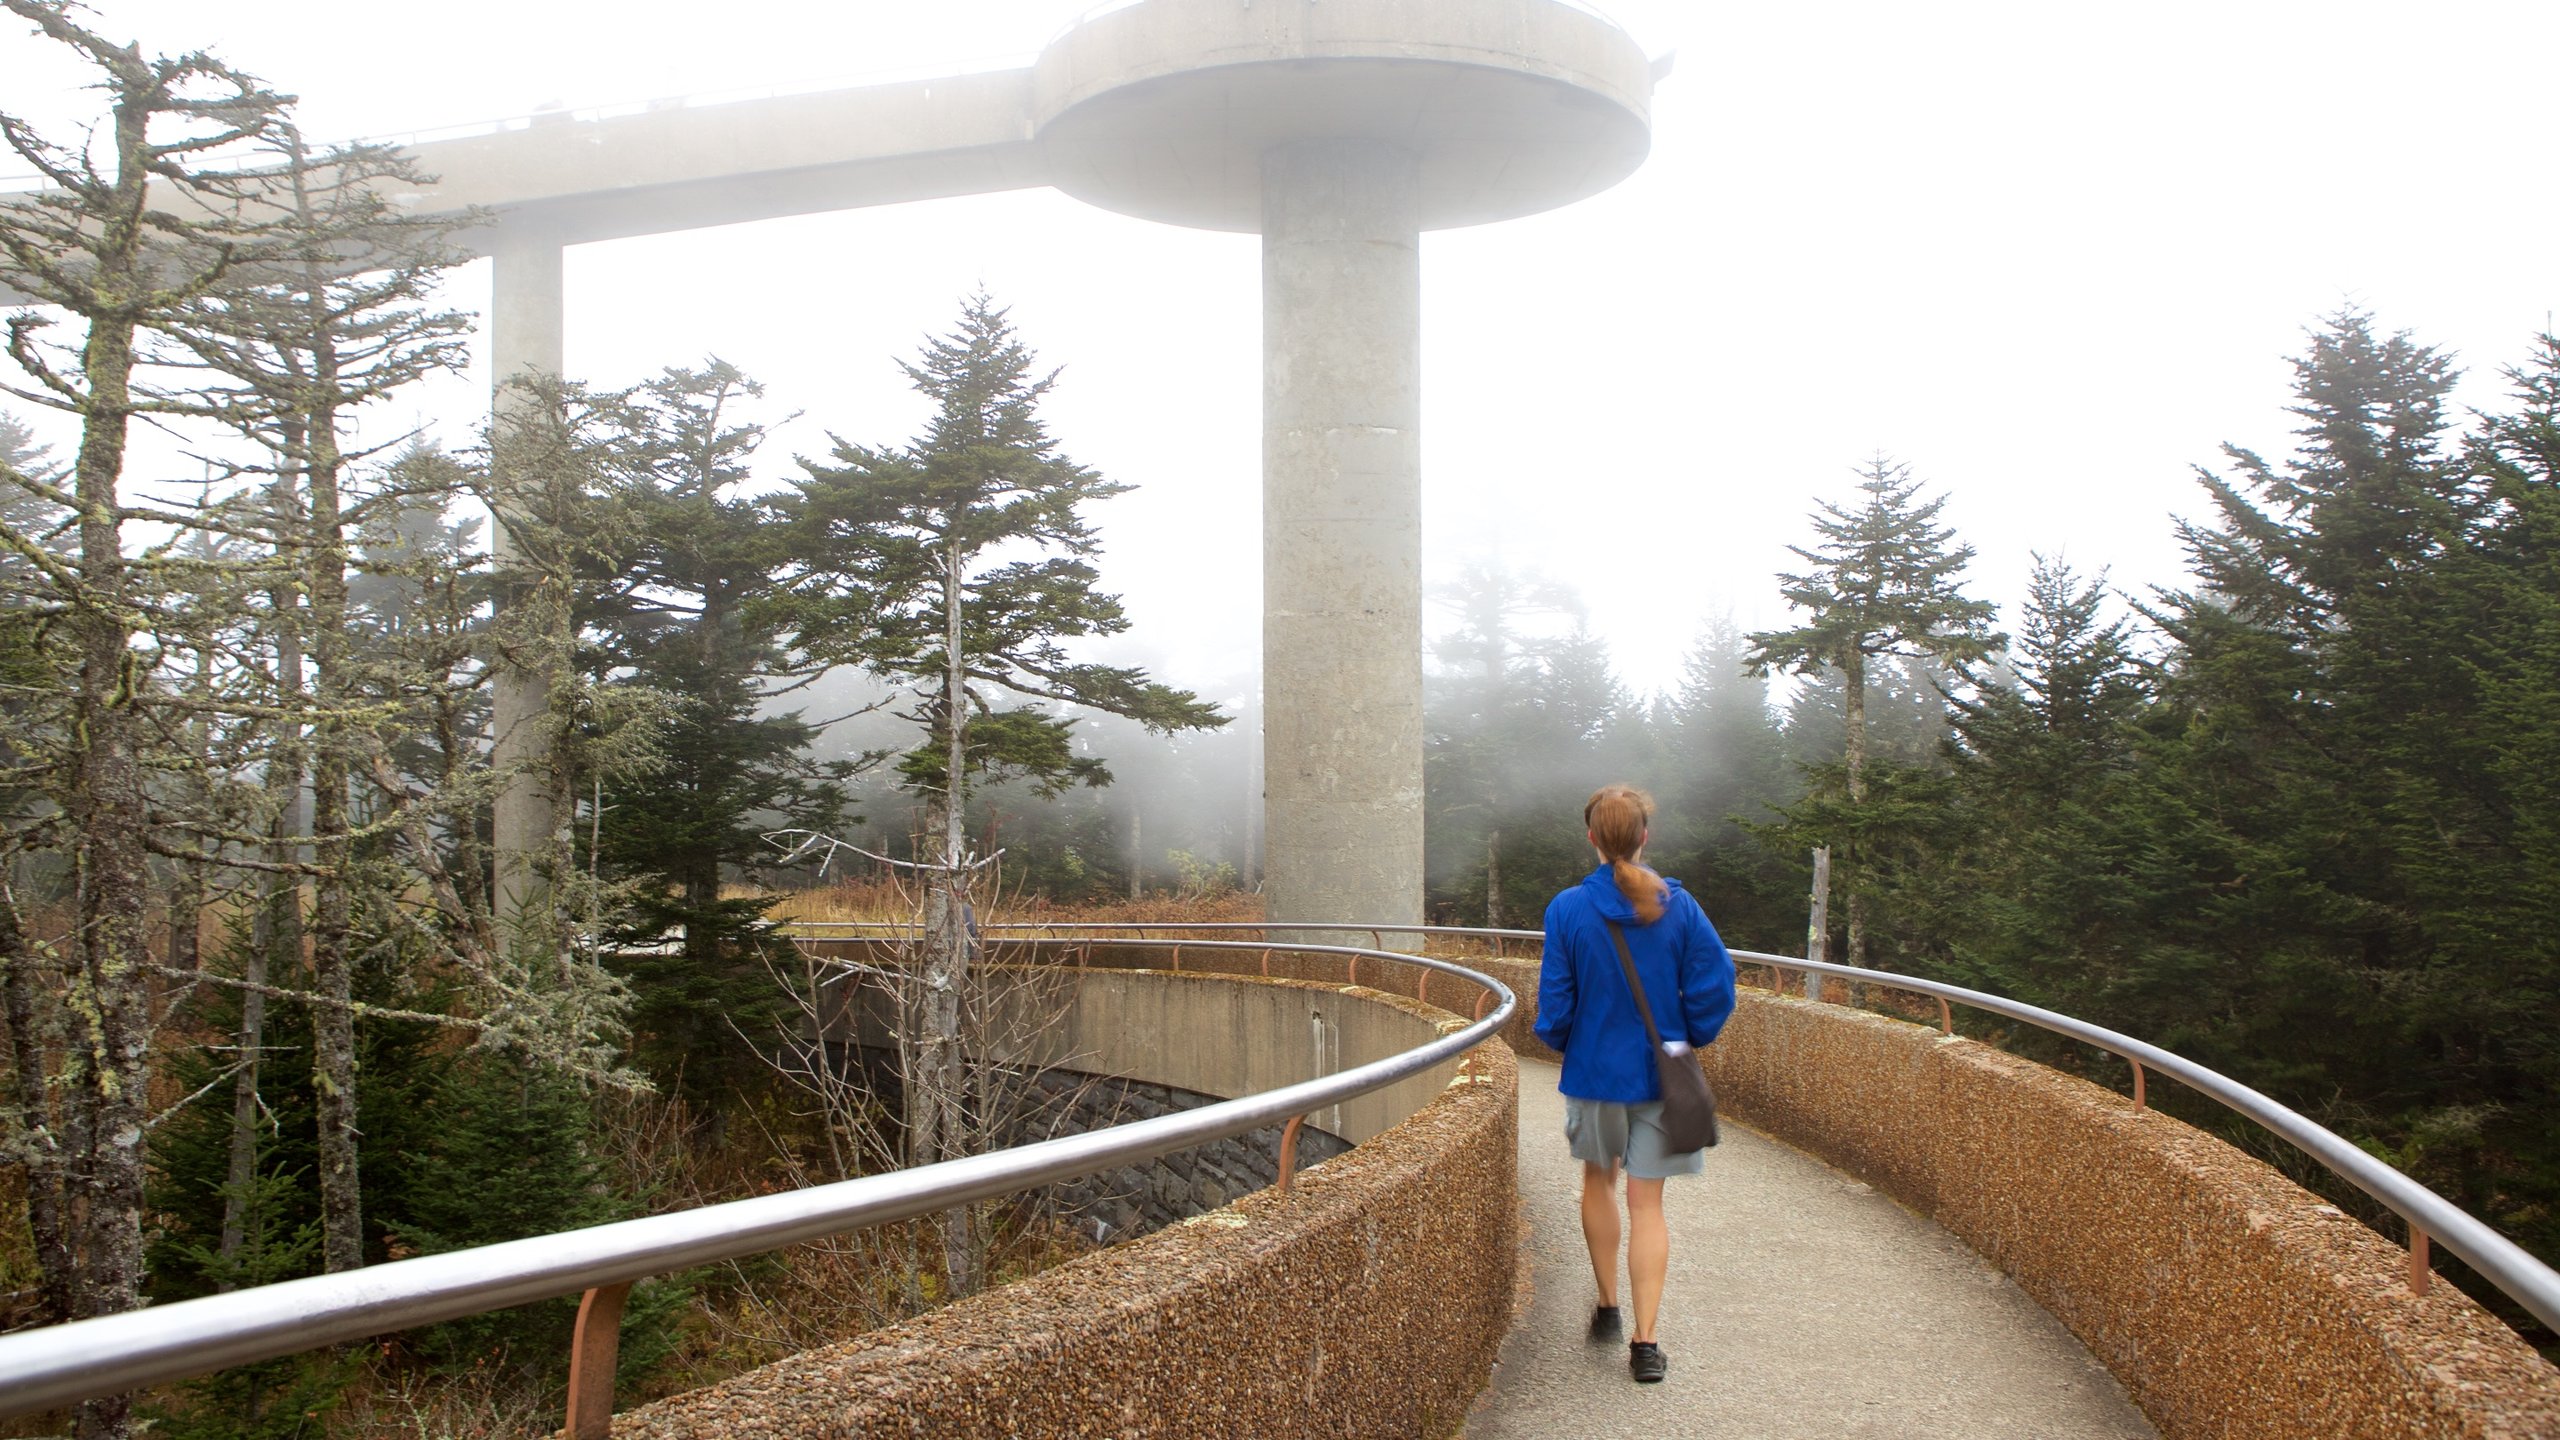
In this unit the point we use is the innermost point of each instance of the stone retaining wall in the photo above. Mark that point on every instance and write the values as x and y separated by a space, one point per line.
2230 1301
1368 1302
1522 977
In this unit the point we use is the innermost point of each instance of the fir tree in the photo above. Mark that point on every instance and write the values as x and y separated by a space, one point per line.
111 244
1884 582
514 1154
1725 768
688 617
906 565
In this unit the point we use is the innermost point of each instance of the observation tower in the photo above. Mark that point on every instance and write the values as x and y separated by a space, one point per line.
1339 131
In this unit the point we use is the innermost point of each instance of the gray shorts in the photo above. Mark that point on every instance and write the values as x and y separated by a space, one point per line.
1605 1132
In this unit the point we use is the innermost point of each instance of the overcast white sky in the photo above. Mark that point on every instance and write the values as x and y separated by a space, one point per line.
2052 255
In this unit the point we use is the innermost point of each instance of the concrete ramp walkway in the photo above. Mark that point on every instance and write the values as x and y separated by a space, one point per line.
1802 1304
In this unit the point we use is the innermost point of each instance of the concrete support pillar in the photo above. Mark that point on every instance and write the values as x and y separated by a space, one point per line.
527 327
1342 532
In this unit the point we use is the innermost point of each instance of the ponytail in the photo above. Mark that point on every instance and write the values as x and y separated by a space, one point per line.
1616 816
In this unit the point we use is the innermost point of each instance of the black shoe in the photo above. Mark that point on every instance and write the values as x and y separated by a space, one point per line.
1645 1362
1605 1328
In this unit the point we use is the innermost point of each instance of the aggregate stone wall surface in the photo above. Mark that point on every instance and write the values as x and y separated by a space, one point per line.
1522 977
2230 1301
1370 1301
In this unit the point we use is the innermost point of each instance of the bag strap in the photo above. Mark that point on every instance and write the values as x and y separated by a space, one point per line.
1627 963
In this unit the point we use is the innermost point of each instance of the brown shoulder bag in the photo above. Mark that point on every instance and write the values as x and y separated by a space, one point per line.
1688 1102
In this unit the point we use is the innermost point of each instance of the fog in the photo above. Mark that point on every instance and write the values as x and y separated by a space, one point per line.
2051 256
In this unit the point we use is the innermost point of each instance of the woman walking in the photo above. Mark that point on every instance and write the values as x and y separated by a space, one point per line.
1613 1096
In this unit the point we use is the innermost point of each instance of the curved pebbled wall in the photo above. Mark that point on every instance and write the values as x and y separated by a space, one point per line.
1367 1302
2230 1301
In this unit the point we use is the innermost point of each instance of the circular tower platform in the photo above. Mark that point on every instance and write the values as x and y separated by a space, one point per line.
1165 109
1339 131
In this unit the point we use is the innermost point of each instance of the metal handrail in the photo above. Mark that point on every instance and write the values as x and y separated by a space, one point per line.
1329 927
44 1369
2431 1218
2428 1215
2500 1261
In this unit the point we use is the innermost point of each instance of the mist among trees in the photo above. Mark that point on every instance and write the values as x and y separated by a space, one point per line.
2298 818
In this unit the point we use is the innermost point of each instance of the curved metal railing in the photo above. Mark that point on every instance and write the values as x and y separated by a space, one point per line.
1088 928
44 1369
2430 1217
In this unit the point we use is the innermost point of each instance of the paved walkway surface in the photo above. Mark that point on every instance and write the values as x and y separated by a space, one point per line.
1801 1304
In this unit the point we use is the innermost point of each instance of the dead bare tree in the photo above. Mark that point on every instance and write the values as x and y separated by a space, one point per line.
1006 1027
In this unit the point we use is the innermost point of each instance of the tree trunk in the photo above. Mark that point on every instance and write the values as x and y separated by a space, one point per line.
1137 854
240 1170
333 1027
275 942
37 1145
186 919
1854 722
108 811
699 868
1251 877
1817 930
936 1119
1493 878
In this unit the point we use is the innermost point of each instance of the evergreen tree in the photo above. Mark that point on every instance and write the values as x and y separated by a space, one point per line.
109 244
514 1154
1490 741
1724 767
339 319
1884 582
905 565
2027 889
2288 692
687 617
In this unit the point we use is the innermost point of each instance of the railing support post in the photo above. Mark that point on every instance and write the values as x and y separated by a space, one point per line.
1946 1017
2141 1100
597 1341
1289 1150
2419 1271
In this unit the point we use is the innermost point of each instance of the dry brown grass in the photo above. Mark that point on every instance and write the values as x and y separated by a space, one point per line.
879 901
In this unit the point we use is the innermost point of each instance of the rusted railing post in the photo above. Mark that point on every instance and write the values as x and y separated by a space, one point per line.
2141 1100
2419 1270
1946 1017
1289 1150
591 1359
1266 963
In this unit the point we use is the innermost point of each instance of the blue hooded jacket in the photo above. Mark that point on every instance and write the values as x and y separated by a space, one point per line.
1584 1009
